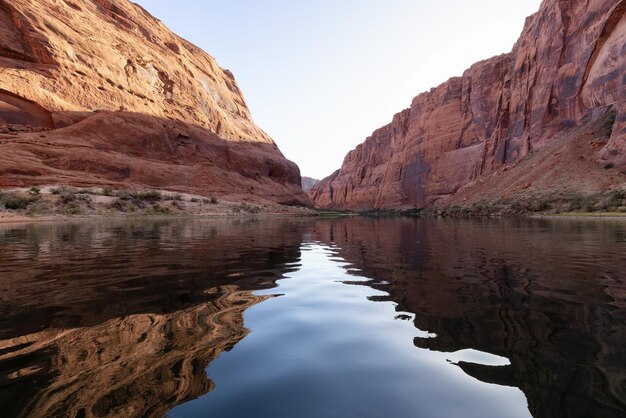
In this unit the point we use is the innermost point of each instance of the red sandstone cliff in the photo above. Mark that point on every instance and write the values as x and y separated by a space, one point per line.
308 183
118 99
566 70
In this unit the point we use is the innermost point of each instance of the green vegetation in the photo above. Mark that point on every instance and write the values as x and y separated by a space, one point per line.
40 207
147 196
332 214
72 208
74 201
175 197
68 196
15 201
610 122
606 202
591 215
57 190
158 210
246 208
108 191
147 202
392 213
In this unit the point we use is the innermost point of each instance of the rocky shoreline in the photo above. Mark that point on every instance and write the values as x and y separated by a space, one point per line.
59 203
62 203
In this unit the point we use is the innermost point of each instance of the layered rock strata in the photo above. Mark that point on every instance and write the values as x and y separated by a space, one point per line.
127 102
308 183
567 69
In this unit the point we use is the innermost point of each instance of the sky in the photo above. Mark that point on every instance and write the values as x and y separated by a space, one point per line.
319 76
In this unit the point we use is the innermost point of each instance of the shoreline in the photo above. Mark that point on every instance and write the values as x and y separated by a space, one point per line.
581 215
13 219
65 203
8 218
21 219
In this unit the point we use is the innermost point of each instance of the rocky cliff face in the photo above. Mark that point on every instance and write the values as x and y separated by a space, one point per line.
125 101
308 183
567 69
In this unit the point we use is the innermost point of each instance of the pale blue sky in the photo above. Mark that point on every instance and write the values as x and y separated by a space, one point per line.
321 75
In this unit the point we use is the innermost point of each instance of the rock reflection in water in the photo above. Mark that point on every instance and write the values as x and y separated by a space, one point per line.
122 320
548 295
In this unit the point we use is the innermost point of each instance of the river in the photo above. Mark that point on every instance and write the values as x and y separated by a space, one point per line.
288 317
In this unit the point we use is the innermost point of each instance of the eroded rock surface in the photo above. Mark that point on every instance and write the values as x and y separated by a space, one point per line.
308 183
87 66
566 70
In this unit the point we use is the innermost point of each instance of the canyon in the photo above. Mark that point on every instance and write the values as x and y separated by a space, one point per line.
559 97
308 183
101 93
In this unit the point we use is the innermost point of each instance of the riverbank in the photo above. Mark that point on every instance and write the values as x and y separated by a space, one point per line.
468 214
609 203
61 203
581 215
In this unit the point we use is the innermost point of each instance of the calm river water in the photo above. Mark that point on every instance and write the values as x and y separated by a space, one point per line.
302 318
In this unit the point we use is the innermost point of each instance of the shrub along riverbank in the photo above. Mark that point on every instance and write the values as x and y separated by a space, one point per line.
69 201
609 203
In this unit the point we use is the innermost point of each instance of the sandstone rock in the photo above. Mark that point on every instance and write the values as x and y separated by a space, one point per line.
568 68
63 62
308 183
121 148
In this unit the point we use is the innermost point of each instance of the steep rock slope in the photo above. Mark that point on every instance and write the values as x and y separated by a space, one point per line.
77 64
566 70
308 183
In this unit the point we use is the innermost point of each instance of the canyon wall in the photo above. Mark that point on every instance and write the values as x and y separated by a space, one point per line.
100 92
566 70
308 183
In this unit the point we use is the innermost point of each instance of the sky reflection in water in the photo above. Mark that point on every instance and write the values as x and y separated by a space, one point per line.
314 318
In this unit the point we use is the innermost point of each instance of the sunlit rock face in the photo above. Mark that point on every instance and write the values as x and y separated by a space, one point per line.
567 69
308 183
125 101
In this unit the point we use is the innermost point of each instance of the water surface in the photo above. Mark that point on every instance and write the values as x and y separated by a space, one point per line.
314 318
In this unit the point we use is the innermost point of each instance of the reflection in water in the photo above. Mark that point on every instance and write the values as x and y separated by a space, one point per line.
548 295
141 365
124 319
